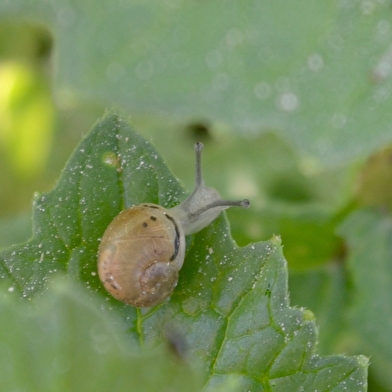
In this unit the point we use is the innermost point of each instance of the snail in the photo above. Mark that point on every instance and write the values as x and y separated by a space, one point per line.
143 248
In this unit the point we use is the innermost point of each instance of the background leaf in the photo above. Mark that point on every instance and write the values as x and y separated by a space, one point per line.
369 237
254 67
324 290
65 341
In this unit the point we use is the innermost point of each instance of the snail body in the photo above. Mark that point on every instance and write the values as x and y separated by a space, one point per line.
143 248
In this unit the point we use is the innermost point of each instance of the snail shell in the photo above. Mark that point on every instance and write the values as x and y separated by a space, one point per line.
143 248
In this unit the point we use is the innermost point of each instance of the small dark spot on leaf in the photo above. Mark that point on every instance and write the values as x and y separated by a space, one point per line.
145 224
268 290
153 218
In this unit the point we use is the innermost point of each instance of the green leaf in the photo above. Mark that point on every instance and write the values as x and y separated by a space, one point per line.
240 302
231 304
66 342
318 72
369 237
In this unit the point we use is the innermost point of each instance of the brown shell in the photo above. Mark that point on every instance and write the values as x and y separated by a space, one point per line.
140 255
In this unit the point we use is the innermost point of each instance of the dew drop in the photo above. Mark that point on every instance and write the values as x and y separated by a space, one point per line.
288 102
315 62
111 159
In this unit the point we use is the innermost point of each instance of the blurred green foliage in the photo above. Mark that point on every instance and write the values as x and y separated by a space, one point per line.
73 345
36 138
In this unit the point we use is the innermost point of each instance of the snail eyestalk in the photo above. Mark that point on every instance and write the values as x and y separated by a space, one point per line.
199 175
204 204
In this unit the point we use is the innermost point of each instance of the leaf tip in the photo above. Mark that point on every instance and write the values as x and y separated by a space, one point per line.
276 240
363 361
308 315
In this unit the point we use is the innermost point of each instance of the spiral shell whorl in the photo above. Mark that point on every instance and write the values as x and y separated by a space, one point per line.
140 255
